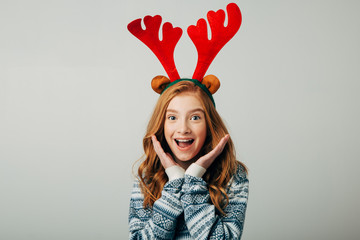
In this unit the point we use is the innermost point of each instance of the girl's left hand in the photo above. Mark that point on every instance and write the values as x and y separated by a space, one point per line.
206 160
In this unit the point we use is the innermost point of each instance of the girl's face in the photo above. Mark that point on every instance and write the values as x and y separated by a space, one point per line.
185 128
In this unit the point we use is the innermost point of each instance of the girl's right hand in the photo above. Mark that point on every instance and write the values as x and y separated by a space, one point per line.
165 158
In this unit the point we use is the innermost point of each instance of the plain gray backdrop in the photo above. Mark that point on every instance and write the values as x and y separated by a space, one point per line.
75 99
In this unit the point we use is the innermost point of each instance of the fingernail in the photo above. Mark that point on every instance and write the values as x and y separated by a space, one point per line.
227 137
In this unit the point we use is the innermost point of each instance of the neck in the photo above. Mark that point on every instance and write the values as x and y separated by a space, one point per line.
186 164
183 164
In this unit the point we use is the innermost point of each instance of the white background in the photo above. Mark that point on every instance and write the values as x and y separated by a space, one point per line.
75 98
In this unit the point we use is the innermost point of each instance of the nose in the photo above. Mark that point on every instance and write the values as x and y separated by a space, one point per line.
183 127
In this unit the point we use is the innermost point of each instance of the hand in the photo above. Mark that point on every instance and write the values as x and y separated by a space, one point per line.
206 160
165 158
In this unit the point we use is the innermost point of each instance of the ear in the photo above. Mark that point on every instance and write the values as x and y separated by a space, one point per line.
159 83
212 83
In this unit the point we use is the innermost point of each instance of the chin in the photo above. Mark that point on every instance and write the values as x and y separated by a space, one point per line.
184 158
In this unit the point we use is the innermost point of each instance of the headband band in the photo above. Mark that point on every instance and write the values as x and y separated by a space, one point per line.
197 83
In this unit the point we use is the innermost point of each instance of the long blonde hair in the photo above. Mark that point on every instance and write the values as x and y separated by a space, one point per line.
152 174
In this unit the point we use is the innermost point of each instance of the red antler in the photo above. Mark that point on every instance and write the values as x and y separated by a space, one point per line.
164 50
208 49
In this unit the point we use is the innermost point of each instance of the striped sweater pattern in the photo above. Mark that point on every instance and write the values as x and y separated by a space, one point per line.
185 211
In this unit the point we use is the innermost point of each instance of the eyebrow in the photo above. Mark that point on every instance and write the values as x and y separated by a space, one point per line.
191 111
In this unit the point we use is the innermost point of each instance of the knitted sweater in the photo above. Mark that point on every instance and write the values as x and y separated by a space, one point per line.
185 211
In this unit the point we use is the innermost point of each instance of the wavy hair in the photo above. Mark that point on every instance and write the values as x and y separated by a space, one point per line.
152 174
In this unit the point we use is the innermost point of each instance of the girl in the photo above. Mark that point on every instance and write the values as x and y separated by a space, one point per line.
190 184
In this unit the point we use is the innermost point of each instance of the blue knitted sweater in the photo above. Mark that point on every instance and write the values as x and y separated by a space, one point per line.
185 211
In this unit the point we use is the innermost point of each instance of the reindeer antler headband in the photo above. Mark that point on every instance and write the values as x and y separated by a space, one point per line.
207 48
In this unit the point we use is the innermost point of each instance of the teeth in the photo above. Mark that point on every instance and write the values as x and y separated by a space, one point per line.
182 140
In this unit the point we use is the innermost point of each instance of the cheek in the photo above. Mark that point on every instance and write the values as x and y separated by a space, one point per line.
167 131
202 132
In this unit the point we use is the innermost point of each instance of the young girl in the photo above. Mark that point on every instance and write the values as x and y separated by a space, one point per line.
190 184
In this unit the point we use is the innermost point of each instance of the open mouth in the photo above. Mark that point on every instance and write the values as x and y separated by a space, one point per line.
183 143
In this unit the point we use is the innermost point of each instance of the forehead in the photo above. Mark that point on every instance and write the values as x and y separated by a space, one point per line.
185 102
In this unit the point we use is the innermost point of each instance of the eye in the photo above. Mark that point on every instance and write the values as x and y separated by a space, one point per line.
171 118
195 117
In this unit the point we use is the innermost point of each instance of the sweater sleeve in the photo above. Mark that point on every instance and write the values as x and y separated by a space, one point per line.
201 217
175 172
159 221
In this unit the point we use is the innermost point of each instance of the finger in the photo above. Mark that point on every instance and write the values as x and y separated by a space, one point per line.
154 142
157 146
208 159
223 141
221 145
